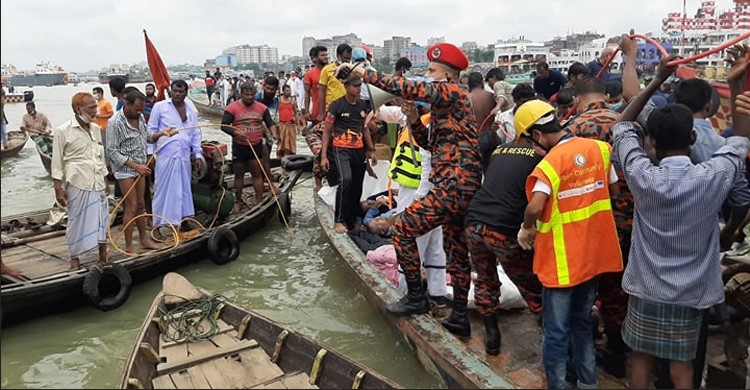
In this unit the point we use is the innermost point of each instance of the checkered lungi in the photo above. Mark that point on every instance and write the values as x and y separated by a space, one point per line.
662 330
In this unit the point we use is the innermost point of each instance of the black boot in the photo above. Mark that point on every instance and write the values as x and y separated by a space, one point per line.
458 323
492 334
414 302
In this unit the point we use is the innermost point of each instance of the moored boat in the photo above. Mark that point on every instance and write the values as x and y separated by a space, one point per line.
16 142
236 348
43 146
206 109
458 364
49 285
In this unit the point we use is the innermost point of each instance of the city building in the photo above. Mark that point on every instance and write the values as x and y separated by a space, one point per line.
377 51
435 40
247 54
331 43
469 46
392 47
226 60
416 54
307 44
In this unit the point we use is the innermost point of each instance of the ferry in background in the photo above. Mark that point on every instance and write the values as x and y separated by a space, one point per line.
44 74
131 74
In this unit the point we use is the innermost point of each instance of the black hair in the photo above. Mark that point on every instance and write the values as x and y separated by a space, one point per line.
671 126
285 86
151 85
117 84
247 86
272 80
475 80
497 73
343 49
590 84
129 89
321 48
180 83
134 95
552 126
403 63
565 96
32 104
542 66
523 92
613 88
694 93
98 90
577 69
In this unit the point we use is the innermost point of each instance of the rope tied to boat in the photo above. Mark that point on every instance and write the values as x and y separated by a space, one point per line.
192 320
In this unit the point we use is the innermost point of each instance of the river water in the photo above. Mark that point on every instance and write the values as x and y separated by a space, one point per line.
296 280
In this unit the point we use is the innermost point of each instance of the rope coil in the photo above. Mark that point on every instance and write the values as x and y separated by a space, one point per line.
190 321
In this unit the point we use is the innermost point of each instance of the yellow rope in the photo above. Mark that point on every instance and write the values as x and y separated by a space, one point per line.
190 234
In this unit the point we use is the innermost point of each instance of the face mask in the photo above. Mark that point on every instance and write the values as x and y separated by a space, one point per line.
616 106
84 118
96 97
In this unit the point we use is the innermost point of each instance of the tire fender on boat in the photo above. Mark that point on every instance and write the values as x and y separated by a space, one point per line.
296 162
107 287
286 207
223 245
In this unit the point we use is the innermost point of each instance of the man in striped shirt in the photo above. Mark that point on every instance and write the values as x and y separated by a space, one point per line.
674 271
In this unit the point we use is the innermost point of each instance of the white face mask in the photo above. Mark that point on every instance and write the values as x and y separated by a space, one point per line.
84 118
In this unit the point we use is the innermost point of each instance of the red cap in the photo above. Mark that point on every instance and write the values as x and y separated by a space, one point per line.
367 50
448 54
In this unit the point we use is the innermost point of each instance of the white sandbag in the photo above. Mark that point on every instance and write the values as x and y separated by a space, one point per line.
510 297
371 185
328 194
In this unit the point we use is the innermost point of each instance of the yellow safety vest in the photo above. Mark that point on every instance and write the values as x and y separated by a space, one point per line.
406 166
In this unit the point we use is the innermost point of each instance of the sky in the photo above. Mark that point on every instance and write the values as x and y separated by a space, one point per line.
83 35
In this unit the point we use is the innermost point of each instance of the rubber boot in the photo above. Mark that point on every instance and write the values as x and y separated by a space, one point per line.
414 302
458 323
492 335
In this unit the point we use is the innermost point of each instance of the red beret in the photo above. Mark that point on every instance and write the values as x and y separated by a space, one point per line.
448 54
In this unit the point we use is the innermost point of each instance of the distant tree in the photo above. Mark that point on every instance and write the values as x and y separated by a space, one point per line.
383 65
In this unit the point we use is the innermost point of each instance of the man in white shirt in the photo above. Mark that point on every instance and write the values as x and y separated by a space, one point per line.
78 173
298 89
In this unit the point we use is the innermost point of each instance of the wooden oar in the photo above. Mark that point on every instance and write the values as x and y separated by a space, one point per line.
37 132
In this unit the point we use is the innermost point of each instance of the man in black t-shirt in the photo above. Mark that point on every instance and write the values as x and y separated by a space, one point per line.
492 223
345 127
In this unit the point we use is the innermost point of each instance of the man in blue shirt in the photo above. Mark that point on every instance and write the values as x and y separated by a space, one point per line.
548 82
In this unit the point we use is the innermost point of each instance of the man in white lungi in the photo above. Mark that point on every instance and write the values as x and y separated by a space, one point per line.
78 173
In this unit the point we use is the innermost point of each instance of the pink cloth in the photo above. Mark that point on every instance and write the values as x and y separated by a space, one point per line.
384 258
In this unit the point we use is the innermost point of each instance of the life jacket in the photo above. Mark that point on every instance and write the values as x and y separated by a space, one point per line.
406 166
576 237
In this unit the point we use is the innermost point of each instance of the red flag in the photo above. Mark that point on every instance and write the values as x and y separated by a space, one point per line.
158 71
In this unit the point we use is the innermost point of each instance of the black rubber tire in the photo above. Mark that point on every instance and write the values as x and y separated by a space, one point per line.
223 245
297 162
286 207
98 286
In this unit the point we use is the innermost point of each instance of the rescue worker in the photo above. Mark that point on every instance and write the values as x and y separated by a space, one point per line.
456 173
492 222
569 201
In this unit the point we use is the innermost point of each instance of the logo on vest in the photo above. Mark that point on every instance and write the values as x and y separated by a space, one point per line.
579 160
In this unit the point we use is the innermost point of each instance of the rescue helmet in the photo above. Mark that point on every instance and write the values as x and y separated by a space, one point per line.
533 112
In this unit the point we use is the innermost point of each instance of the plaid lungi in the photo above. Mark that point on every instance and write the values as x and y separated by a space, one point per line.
660 329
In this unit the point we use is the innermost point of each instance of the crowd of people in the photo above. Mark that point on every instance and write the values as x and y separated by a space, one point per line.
601 198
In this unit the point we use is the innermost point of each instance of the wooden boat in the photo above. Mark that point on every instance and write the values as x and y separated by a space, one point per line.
458 364
16 142
247 350
43 146
48 285
206 109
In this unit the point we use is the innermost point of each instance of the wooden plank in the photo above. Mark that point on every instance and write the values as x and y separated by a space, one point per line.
214 377
199 380
298 381
273 385
200 348
174 353
258 367
232 370
163 382
182 380
213 354
224 340
223 328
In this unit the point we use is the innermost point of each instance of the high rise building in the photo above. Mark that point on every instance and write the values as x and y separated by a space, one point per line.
307 44
331 43
392 47
247 54
416 54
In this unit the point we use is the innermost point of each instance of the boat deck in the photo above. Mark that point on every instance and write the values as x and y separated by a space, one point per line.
223 362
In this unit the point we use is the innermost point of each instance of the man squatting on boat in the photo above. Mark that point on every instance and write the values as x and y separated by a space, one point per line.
577 188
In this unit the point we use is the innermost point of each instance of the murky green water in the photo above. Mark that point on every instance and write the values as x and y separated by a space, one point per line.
293 280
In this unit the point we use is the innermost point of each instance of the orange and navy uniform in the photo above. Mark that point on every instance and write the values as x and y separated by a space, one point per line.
456 173
596 122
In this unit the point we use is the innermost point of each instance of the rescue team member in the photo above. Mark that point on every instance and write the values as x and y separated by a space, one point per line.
569 201
456 173
492 222
345 124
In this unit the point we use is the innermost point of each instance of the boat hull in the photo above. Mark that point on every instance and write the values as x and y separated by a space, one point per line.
28 298
207 110
40 79
16 142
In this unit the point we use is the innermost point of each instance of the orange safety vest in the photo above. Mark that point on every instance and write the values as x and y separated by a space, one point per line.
576 238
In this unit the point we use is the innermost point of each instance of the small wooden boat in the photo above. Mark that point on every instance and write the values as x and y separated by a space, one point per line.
48 285
43 145
243 350
458 364
16 142
206 109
